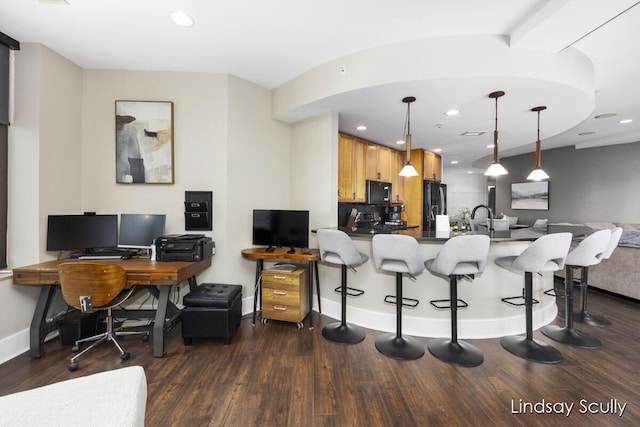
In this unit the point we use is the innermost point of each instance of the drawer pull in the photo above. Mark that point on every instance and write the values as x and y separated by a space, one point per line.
279 308
280 277
279 293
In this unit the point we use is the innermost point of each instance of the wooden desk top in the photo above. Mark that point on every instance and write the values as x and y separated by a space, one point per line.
281 253
140 271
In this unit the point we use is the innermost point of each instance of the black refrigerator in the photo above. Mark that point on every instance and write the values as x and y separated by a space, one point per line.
434 203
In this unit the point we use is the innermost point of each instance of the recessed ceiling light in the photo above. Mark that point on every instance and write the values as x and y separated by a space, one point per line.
489 145
586 133
625 121
437 150
454 162
452 112
361 127
63 2
605 115
473 133
469 171
400 141
182 19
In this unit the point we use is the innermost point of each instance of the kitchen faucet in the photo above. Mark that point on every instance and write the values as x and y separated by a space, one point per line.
473 215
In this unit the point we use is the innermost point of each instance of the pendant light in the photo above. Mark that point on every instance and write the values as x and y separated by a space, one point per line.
408 169
496 169
538 174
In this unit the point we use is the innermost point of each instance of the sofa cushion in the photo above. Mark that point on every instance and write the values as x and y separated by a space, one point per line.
630 238
111 398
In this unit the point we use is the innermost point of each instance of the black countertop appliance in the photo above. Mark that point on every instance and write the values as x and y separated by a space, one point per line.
378 192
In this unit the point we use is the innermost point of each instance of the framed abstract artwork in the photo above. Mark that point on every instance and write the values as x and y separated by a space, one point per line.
144 142
530 195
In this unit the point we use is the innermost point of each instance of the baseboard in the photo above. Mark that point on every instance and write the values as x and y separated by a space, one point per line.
14 345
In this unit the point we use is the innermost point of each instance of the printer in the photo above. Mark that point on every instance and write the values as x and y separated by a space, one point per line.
184 247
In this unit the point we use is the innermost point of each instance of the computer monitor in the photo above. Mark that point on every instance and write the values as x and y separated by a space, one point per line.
285 228
81 232
139 230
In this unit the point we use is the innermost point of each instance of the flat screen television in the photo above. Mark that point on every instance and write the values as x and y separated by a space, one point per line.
139 230
81 232
280 228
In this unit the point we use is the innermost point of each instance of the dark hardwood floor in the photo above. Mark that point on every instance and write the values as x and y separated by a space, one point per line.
276 375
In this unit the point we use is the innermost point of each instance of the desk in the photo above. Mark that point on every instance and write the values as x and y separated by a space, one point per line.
159 277
310 255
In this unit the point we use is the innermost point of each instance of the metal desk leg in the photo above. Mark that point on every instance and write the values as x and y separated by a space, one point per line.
315 263
193 283
158 324
257 290
310 284
39 325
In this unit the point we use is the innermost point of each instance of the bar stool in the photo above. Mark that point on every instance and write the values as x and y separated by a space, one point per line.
547 253
588 252
583 316
398 254
459 256
337 248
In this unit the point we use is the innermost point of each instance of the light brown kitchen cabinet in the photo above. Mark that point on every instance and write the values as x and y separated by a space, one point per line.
398 181
432 166
351 169
371 162
359 160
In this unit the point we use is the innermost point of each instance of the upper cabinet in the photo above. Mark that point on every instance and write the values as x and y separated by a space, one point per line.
351 169
359 160
432 168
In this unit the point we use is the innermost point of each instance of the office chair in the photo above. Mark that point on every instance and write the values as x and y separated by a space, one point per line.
90 286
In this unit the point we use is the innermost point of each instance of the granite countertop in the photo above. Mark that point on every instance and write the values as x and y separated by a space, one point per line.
525 234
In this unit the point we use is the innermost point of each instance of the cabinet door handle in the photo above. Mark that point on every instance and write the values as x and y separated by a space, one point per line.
279 277
279 293
279 308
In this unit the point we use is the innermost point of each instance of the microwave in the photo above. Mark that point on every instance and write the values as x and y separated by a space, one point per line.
378 192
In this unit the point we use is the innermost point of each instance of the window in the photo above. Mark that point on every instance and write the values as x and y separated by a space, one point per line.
6 43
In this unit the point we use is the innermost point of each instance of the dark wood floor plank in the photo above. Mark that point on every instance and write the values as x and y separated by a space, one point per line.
276 375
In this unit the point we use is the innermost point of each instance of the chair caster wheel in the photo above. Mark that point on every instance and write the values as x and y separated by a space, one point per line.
145 338
125 356
75 348
73 366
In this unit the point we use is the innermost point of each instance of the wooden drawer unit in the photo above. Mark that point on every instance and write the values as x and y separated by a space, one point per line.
285 295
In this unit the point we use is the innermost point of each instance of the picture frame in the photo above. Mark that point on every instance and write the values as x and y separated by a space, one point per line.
530 195
144 142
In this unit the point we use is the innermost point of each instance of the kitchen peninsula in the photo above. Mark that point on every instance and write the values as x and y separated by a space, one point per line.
486 317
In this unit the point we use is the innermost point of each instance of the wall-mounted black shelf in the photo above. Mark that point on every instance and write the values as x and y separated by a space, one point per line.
198 210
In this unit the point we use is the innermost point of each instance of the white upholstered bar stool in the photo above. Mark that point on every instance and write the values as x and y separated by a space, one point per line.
336 247
398 254
583 316
547 253
460 256
588 252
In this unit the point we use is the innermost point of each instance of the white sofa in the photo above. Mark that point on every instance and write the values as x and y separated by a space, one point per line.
112 398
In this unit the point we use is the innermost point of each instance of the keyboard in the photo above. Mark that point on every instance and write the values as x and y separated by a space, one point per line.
123 256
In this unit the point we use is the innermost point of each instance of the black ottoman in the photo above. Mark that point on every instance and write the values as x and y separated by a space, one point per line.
212 310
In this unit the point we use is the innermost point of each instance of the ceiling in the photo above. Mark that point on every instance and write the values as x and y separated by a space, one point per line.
274 43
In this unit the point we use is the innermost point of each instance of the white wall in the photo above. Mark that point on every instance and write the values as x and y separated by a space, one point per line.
465 191
44 174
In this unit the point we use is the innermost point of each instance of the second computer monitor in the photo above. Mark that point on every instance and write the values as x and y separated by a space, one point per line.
139 230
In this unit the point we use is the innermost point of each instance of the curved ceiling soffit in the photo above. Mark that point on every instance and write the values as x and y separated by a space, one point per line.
564 79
